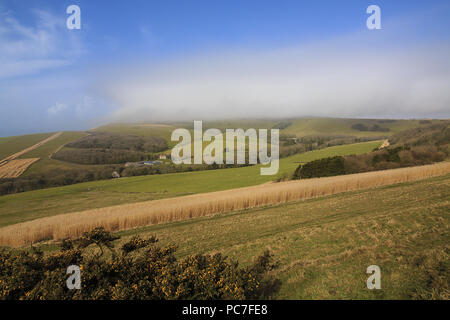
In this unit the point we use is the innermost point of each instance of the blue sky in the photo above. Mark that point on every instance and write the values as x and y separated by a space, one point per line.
161 60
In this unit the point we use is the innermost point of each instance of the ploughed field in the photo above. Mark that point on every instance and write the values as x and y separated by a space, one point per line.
11 167
14 168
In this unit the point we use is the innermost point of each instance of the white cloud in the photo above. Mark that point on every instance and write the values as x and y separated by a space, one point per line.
56 109
352 76
29 66
402 70
85 106
27 48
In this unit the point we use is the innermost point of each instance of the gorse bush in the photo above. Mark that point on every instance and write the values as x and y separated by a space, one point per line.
138 270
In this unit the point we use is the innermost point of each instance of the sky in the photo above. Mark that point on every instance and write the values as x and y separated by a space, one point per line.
155 60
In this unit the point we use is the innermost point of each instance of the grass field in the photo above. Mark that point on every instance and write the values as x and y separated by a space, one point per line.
129 216
140 129
324 245
5 139
298 127
331 126
11 145
31 205
44 152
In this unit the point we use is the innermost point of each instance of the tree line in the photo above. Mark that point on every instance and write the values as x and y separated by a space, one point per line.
412 147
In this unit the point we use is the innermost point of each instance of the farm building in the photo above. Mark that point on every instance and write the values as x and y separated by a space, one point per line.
142 163
152 163
115 175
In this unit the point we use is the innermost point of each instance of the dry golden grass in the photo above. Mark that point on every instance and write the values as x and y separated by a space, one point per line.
14 168
174 209
35 146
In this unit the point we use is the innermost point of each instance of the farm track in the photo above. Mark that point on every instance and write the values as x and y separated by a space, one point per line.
130 216
50 156
385 144
35 146
11 167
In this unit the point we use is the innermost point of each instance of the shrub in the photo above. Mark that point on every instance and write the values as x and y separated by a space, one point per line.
326 167
138 270
418 146
354 164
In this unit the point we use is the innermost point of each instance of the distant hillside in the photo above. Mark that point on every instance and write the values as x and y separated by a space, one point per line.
412 147
298 127
352 127
11 145
77 157
30 205
145 129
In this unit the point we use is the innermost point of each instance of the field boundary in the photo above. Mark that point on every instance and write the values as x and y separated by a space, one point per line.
128 216
35 146
15 168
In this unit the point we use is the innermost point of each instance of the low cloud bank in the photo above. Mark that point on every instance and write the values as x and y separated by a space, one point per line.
350 77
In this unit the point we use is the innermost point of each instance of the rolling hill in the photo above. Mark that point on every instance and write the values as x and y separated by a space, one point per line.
288 127
324 245
11 145
30 205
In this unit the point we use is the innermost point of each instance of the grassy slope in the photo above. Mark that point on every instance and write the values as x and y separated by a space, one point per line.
11 145
299 127
324 126
5 139
324 245
35 204
44 152
143 129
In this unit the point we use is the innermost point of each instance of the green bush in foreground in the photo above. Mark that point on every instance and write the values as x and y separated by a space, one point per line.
138 270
